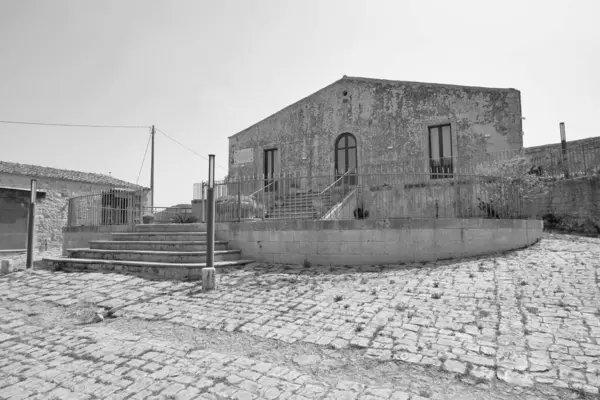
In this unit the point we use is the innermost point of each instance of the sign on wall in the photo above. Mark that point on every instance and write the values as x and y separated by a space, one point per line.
243 156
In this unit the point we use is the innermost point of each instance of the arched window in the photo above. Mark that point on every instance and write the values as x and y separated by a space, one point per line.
345 157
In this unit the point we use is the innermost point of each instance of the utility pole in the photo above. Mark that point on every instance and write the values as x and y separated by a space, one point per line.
152 173
563 142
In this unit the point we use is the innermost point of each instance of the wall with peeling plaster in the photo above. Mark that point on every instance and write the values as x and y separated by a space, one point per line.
390 121
51 210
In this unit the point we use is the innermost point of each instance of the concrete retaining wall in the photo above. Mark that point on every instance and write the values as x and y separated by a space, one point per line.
77 237
376 242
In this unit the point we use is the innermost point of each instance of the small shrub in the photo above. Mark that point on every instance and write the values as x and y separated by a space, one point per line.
359 213
346 306
359 328
436 296
484 313
523 283
373 292
183 218
436 284
148 219
338 297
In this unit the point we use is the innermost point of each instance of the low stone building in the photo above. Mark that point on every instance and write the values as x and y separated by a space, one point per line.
55 187
361 124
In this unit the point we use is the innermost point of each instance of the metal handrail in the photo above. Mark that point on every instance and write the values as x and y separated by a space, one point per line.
336 181
262 188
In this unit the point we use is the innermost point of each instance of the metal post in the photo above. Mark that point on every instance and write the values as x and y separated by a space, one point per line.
239 200
563 142
152 172
210 224
203 213
141 219
70 212
31 224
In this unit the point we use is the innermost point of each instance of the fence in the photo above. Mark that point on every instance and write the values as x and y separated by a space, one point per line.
374 196
578 161
110 207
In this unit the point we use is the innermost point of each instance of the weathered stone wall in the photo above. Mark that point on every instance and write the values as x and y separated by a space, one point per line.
390 121
572 205
51 211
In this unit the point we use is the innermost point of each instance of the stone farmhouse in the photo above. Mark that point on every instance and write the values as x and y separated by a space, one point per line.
361 124
54 188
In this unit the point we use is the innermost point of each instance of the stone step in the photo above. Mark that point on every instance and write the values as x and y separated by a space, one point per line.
153 256
154 245
178 271
159 236
170 228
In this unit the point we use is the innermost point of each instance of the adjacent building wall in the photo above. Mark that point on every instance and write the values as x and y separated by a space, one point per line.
572 205
51 211
390 121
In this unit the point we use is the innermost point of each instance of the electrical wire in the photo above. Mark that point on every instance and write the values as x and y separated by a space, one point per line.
144 160
75 125
187 148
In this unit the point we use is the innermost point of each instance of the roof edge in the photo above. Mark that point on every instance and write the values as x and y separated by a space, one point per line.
386 81
447 85
288 106
133 185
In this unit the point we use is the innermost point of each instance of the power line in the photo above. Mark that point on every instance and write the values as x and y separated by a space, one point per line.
75 125
187 148
144 159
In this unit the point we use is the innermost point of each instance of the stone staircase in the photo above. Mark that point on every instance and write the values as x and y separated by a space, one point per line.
300 206
169 251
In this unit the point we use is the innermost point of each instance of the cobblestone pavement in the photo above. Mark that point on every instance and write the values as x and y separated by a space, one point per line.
523 325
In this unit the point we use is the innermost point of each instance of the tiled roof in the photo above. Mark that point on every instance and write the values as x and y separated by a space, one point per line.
35 171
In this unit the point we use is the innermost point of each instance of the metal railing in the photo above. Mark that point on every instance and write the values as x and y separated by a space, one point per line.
461 165
110 207
376 196
577 161
169 214
121 207
327 199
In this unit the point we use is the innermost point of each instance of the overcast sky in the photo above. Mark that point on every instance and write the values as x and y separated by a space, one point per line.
203 70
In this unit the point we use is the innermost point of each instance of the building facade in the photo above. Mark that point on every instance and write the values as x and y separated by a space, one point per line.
362 125
54 188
